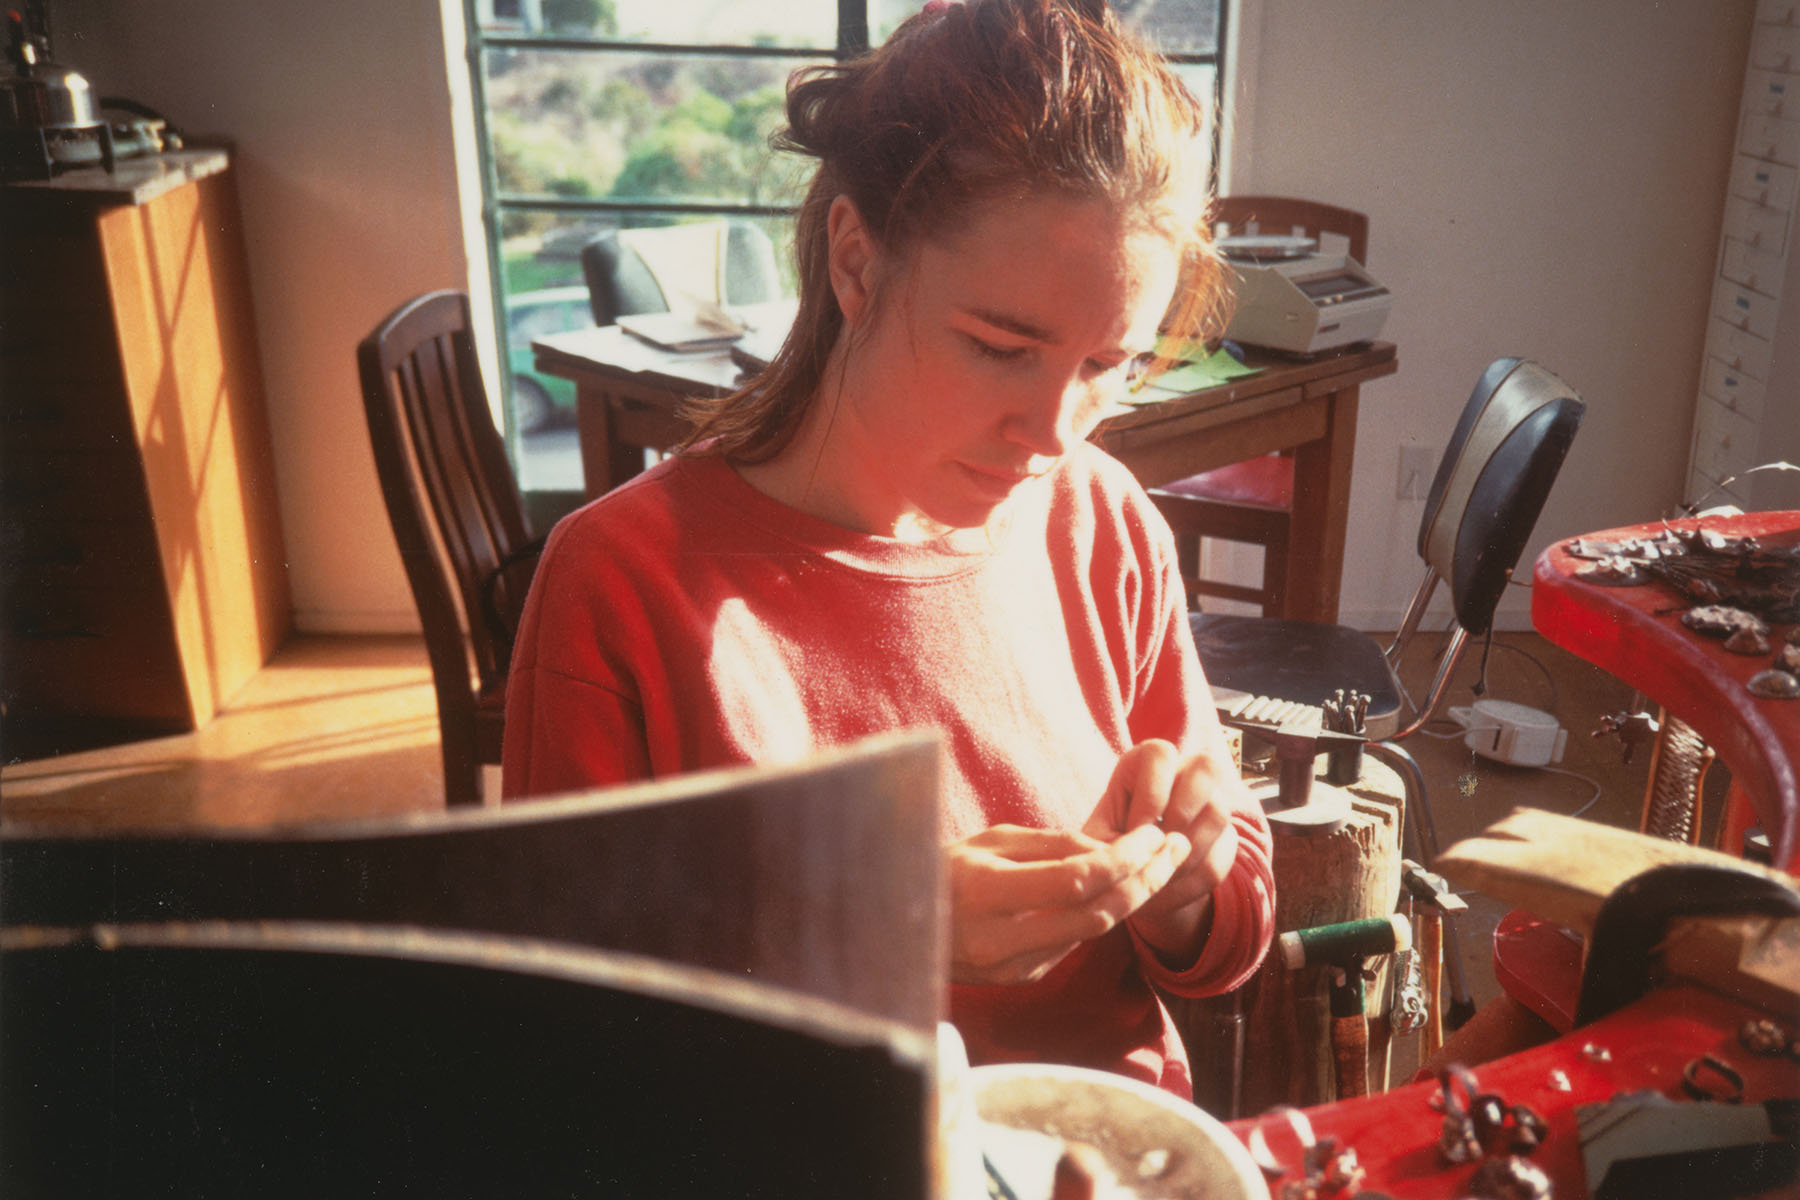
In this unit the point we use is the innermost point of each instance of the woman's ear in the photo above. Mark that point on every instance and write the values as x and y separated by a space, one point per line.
853 259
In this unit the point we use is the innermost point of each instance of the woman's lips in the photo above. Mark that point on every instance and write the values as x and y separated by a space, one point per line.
996 480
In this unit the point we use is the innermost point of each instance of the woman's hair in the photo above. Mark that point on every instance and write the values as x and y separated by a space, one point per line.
967 103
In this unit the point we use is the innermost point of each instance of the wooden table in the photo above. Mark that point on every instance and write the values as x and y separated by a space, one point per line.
628 393
1635 634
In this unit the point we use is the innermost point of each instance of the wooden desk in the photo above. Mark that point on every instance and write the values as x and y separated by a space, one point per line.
627 394
1635 633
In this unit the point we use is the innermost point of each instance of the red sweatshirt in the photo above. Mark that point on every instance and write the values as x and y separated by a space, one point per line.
686 621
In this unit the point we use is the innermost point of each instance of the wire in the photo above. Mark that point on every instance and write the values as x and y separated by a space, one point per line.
1693 506
1599 788
1537 662
1587 779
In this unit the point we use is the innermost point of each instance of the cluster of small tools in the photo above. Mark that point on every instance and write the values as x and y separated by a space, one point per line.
1479 1127
1736 589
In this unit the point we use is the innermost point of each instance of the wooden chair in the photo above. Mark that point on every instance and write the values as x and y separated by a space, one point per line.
456 514
1251 501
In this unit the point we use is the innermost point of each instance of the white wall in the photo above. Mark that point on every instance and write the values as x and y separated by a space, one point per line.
340 111
1543 179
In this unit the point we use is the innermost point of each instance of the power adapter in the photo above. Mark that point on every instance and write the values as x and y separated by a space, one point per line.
1511 733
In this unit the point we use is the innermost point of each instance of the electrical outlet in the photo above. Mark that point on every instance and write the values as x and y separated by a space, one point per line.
1417 463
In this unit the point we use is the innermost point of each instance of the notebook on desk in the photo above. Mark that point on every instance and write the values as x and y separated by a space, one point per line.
681 332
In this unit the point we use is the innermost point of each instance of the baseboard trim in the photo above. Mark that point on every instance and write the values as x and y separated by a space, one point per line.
341 621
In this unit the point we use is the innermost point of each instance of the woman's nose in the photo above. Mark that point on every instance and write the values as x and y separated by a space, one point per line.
1052 422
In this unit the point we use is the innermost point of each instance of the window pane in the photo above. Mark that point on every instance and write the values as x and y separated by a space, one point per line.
811 24
627 126
546 291
1174 26
885 17
808 23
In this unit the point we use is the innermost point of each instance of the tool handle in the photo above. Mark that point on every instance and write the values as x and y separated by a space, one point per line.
1325 945
1350 1055
1431 957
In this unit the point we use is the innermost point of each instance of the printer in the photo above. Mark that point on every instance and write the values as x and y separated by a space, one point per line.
1295 298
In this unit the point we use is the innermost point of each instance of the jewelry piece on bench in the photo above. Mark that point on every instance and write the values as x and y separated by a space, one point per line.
1326 1170
1763 1037
1258 1141
1343 1173
1733 1092
1510 1178
1459 1141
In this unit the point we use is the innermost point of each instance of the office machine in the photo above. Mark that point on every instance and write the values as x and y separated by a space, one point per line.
1298 300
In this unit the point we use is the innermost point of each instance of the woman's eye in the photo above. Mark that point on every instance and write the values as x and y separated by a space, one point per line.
1000 353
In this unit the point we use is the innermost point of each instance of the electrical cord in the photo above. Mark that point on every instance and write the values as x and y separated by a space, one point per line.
1587 779
1599 788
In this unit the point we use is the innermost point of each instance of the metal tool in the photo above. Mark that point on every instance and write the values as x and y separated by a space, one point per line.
1298 734
1432 900
1345 949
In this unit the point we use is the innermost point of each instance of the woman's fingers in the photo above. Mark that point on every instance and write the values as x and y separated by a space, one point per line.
1139 790
1024 873
1012 921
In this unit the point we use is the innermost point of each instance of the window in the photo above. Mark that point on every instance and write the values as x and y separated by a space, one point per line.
604 124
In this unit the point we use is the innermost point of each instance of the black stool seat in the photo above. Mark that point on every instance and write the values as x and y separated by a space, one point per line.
1302 661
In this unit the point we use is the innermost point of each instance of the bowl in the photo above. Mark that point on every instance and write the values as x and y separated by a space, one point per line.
1154 1144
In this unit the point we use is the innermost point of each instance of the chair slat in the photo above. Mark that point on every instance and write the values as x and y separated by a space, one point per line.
455 509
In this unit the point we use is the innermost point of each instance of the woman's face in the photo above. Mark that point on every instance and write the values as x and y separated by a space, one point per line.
977 360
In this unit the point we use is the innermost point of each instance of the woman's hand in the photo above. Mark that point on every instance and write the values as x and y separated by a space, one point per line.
1021 899
1154 786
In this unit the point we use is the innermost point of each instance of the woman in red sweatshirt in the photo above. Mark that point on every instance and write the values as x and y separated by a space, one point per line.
901 524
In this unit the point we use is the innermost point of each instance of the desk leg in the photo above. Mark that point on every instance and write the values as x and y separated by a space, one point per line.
1321 511
607 459
594 433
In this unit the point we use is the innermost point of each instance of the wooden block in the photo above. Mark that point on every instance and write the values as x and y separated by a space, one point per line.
1755 958
1281 1016
1562 868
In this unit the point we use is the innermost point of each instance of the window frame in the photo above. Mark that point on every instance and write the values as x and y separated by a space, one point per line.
852 39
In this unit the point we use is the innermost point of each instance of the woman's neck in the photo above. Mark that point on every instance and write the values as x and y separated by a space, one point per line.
818 470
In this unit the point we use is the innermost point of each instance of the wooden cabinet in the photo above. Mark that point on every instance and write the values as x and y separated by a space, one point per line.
142 576
1748 410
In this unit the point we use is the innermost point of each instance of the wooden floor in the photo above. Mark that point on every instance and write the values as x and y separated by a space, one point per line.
338 727
332 727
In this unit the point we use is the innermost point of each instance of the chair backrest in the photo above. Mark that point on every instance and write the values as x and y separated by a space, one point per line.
1285 214
821 877
450 492
656 269
1496 472
283 1060
619 283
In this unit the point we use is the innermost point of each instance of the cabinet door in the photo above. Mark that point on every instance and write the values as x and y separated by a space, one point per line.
179 289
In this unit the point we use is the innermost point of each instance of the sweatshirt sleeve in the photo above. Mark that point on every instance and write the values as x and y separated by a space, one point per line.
566 729
1243 921
1176 702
